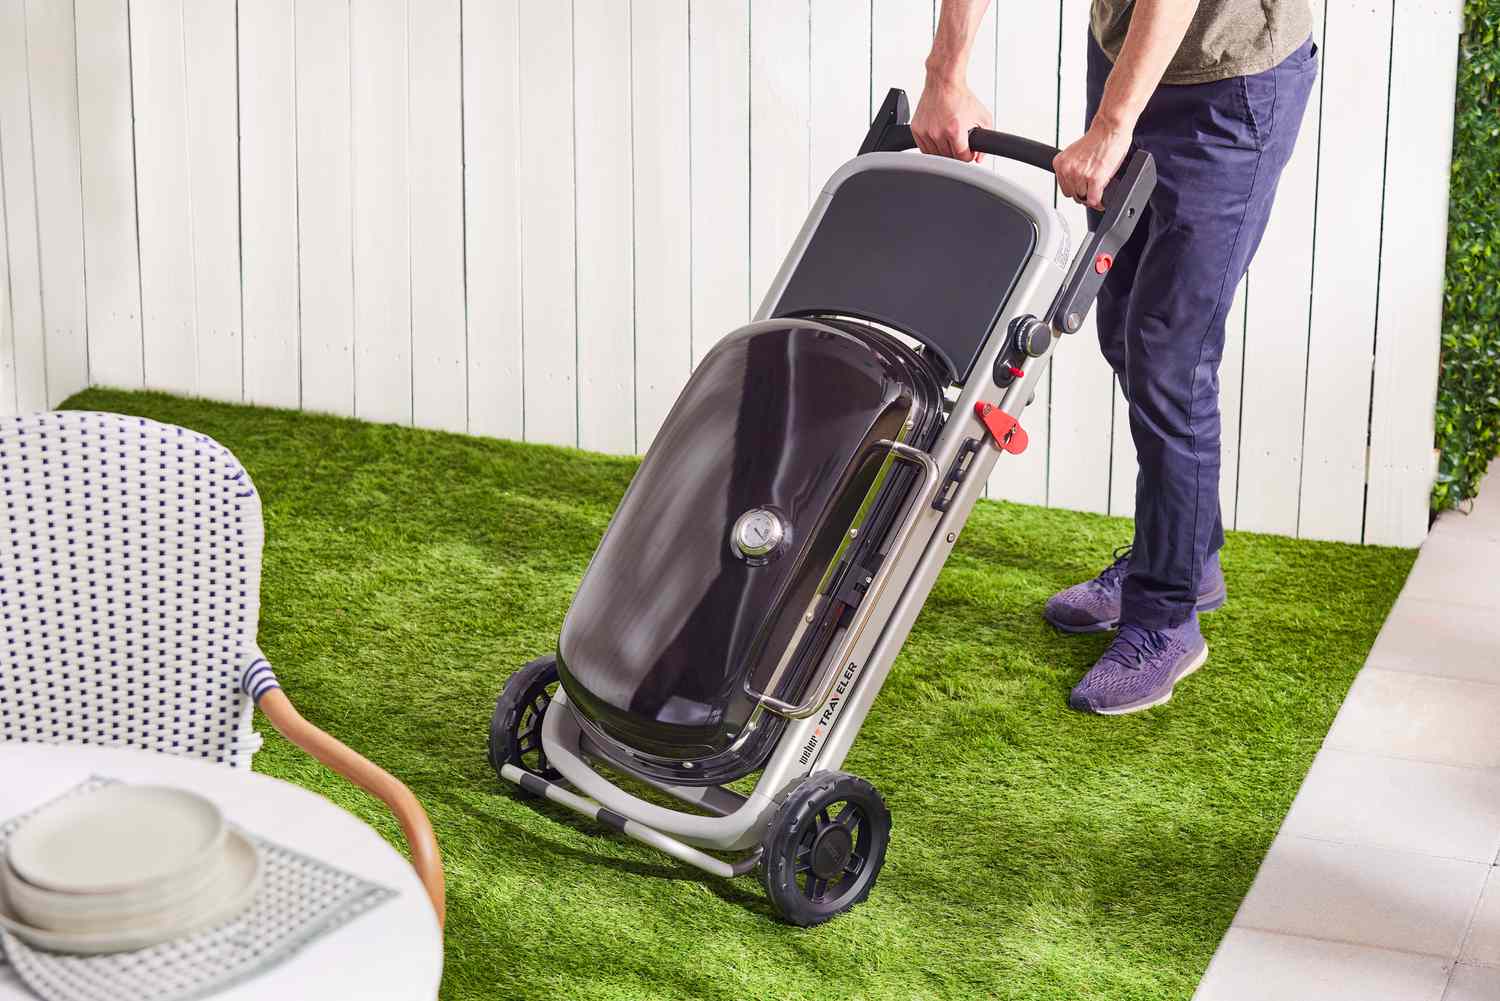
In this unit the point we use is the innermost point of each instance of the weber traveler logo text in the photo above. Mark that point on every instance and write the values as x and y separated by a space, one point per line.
828 711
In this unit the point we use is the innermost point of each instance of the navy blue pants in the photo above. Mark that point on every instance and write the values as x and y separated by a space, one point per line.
1220 148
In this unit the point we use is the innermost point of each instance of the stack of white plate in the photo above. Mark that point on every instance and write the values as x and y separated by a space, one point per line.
124 867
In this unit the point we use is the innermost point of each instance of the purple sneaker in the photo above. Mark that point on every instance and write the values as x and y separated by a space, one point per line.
1094 605
1139 669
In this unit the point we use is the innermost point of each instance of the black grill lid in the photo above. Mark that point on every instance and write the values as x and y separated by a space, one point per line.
670 620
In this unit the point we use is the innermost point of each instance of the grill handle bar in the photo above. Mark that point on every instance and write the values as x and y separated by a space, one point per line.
889 132
825 682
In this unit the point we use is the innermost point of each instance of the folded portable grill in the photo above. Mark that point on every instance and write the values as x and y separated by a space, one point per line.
768 559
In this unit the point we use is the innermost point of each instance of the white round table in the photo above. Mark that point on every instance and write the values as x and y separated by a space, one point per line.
394 951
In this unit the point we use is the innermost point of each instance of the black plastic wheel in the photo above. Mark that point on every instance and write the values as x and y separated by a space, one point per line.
516 726
824 847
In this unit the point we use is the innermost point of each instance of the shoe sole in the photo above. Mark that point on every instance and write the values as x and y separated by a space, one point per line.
1212 603
1166 696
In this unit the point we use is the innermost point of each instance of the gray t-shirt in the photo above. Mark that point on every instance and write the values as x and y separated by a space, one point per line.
1226 37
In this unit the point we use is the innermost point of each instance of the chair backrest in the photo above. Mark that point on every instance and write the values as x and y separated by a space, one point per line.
129 586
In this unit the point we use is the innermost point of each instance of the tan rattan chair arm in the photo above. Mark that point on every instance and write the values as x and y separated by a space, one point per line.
420 839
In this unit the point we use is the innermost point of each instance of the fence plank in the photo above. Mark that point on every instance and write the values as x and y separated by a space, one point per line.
780 116
900 37
268 202
1278 293
606 208
549 283
984 69
1346 263
381 199
8 404
1413 242
839 87
663 226
438 328
1025 103
111 266
324 206
53 71
492 218
1122 457
213 155
1082 383
719 124
28 337
166 234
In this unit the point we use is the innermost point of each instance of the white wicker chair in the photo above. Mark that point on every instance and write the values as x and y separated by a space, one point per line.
130 558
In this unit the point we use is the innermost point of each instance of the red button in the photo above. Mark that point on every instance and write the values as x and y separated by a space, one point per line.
1103 263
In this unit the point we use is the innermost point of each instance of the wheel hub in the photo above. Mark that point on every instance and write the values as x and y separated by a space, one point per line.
831 850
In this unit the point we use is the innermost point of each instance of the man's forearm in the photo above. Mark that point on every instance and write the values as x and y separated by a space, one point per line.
948 108
1156 30
957 25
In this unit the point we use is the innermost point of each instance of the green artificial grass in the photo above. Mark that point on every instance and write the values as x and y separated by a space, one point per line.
1037 854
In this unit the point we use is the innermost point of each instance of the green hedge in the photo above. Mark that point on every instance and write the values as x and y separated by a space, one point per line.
1468 405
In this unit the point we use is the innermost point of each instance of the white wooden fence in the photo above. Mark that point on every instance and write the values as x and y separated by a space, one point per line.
530 218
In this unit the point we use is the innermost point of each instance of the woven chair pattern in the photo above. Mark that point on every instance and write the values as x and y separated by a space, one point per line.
130 560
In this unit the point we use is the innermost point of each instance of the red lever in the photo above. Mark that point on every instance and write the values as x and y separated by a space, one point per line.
1005 429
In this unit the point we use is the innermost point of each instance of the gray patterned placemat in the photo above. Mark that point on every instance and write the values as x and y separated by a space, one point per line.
300 899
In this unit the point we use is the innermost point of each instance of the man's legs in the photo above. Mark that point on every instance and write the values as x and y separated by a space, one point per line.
1219 148
1095 605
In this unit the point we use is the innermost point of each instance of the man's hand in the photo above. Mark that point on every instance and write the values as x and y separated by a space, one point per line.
1086 166
945 114
1156 30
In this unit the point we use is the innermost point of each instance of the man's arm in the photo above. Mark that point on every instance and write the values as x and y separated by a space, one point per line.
948 108
1156 30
